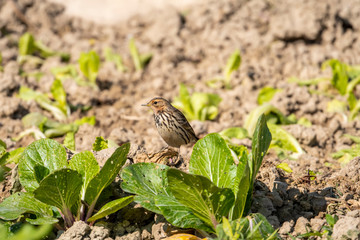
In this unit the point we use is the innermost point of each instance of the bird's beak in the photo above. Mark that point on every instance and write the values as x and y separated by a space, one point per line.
145 105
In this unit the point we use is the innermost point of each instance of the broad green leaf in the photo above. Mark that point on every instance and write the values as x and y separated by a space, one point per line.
253 227
61 189
27 94
266 94
26 44
232 65
146 180
69 141
284 166
85 164
234 132
23 202
3 153
149 182
107 174
34 119
178 214
100 144
212 158
283 140
112 207
205 199
340 78
45 152
89 65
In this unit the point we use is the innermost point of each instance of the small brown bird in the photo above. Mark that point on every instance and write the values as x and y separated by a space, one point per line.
171 123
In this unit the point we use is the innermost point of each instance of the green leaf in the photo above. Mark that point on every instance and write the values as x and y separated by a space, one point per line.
26 44
205 105
140 61
183 102
116 58
212 158
27 232
266 94
149 182
65 72
107 174
111 207
234 132
253 227
205 199
44 152
284 166
69 140
23 202
59 94
355 139
336 106
34 119
61 189
89 65
241 186
13 156
232 65
146 180
340 78
178 214
260 144
85 164
100 144
284 141
89 120
304 122
273 114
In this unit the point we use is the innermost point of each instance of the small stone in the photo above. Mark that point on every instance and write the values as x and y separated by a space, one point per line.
280 187
286 227
319 204
347 228
347 196
317 224
301 225
276 199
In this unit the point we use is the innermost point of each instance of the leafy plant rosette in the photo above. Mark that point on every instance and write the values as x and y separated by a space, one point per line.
53 185
215 186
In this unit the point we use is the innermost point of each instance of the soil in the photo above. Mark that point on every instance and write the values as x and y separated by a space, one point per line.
277 40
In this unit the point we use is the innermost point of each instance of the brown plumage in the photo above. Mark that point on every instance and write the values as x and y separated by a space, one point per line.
171 123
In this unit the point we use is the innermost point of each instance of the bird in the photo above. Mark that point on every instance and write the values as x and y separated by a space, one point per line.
171 123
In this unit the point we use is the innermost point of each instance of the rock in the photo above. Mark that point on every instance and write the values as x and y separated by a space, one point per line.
264 205
301 225
317 224
286 227
78 231
131 236
274 221
347 228
99 233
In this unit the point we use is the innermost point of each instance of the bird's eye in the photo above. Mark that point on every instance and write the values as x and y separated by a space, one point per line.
155 102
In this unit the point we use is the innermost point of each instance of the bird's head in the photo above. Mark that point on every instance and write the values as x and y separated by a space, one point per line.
158 104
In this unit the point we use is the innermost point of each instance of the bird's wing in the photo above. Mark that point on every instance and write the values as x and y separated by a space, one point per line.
181 119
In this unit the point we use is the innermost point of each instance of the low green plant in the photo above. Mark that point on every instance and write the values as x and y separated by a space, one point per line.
28 46
58 108
40 126
345 155
110 56
89 64
198 106
71 187
26 231
232 65
266 94
215 186
7 157
140 60
100 144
